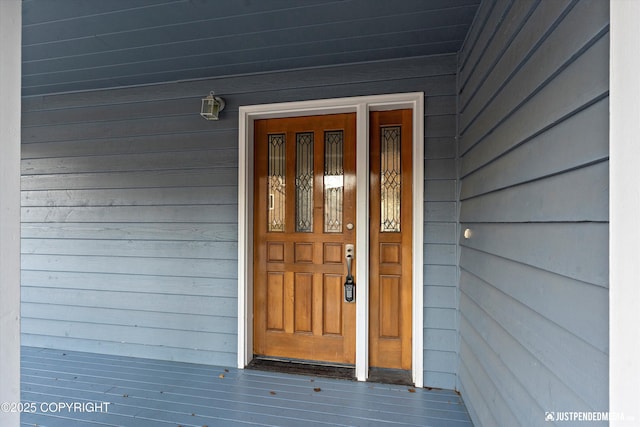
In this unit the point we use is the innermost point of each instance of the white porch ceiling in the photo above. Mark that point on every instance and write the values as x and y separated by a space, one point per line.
71 45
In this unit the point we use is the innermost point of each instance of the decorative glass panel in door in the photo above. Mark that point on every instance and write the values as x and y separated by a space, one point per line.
304 182
333 181
277 179
390 179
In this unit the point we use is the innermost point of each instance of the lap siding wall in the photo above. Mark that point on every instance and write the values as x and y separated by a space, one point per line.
129 211
533 160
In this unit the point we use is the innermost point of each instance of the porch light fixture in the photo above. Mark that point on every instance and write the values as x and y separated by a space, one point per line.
211 106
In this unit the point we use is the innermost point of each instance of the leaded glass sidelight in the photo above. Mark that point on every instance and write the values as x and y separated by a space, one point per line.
333 180
304 182
390 179
276 183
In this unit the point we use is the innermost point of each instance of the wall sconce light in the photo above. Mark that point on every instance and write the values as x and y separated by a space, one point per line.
211 106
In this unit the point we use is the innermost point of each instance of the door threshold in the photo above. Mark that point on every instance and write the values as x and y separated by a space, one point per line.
303 367
390 376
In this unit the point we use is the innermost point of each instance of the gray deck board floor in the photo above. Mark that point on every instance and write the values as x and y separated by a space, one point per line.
146 393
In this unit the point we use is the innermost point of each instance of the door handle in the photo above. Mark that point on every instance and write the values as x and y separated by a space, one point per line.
349 284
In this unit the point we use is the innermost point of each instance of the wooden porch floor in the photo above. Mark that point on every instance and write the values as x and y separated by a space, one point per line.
151 393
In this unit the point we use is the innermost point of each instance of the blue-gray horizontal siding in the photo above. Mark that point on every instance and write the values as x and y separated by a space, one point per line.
533 147
129 211
441 329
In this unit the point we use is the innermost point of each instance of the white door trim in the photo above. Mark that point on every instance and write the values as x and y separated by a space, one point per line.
361 106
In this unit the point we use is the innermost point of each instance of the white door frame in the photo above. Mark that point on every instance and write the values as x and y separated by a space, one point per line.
361 106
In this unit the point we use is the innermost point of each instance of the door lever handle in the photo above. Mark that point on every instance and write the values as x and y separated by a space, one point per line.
349 284
348 249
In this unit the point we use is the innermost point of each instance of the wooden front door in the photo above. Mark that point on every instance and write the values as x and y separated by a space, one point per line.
390 235
304 215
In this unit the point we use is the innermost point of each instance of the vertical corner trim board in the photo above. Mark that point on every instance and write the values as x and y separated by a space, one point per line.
10 57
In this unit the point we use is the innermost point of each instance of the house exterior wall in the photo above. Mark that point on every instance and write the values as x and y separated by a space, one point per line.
129 211
533 160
